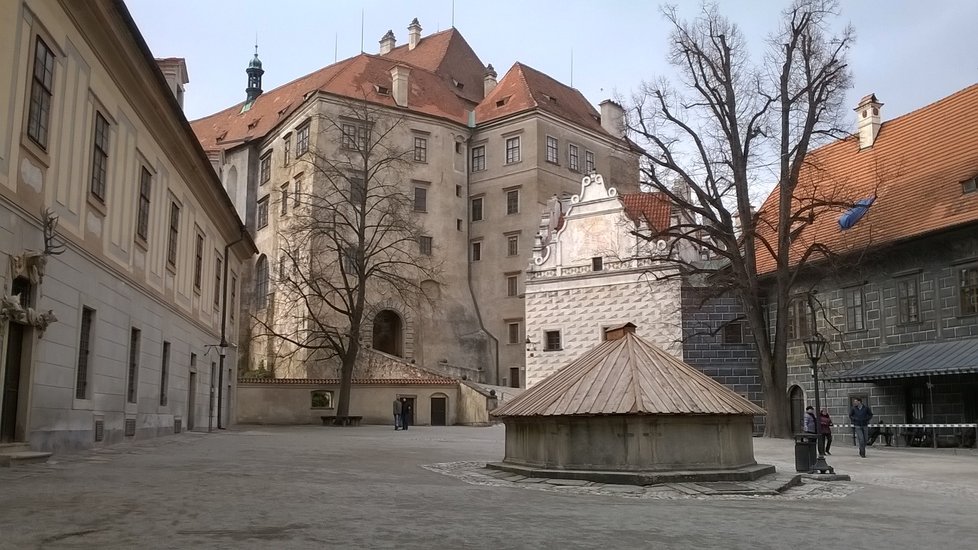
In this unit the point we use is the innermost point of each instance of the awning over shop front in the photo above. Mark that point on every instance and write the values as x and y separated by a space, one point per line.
941 358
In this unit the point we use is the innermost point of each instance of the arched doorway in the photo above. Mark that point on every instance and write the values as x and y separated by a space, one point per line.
439 409
797 397
387 335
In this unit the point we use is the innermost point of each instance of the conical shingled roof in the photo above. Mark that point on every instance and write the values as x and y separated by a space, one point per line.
627 376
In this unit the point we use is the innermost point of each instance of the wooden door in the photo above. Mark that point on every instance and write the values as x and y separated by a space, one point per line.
439 411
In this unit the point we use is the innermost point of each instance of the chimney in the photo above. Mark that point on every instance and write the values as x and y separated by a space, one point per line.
174 69
613 118
399 87
414 34
619 332
868 117
489 80
387 43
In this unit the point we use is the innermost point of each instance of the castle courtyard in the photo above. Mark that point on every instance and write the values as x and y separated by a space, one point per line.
372 487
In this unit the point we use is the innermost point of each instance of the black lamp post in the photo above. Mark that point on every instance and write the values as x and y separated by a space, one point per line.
814 348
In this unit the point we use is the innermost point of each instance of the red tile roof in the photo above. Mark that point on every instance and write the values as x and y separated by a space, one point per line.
915 169
652 208
448 55
524 88
356 381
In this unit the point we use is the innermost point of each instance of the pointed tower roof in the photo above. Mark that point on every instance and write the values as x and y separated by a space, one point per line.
627 376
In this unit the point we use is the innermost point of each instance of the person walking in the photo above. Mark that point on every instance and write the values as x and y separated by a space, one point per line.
405 413
825 425
808 426
860 414
397 414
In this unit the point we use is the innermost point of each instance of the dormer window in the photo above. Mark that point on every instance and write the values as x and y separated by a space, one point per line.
458 84
502 101
969 186
550 98
382 90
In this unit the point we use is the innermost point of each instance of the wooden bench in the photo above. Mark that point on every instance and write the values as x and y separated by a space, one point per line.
341 420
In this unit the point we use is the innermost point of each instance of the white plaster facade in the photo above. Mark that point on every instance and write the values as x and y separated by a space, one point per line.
565 293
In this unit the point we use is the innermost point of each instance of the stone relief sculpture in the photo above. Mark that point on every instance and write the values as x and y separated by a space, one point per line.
30 265
592 188
11 310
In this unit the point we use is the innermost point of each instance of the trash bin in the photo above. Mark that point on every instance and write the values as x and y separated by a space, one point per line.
805 452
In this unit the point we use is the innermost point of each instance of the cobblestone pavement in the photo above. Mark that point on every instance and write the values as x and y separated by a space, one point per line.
371 487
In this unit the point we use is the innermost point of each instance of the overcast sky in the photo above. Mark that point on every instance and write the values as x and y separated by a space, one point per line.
910 53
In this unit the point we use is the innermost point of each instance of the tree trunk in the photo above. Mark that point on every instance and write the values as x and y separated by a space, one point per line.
346 380
774 384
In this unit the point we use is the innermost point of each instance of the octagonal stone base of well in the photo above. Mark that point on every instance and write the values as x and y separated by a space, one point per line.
633 443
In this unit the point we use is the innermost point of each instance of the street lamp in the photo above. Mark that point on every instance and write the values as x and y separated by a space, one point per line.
814 348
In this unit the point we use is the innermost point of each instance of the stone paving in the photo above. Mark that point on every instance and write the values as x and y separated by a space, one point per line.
371 487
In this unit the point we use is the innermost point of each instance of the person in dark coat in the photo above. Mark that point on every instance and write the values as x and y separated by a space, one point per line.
808 425
825 429
860 414
397 414
405 413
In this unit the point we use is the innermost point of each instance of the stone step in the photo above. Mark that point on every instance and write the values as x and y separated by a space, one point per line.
17 454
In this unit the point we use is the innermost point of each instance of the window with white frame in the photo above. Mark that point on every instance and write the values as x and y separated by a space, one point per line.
477 211
84 353
512 201
512 245
551 340
588 162
479 158
573 157
908 300
513 332
425 245
513 150
855 310
302 140
42 90
476 248
553 150
287 150
100 157
174 236
968 288
420 149
262 212
142 210
420 199
512 284
265 168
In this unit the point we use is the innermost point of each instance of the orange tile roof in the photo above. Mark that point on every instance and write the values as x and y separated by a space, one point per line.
627 376
354 78
448 55
524 88
915 169
652 208
356 381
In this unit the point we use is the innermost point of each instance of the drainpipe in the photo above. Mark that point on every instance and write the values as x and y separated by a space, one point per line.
223 346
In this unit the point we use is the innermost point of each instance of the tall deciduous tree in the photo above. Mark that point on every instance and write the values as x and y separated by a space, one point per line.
350 242
735 127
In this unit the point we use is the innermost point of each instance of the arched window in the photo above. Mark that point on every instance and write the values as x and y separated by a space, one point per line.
387 334
261 282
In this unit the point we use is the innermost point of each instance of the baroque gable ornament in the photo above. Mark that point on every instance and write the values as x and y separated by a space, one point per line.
592 189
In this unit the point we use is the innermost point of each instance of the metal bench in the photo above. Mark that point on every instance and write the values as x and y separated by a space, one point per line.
921 435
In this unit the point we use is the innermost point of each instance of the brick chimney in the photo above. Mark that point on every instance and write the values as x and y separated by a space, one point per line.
489 80
619 332
399 88
387 43
414 34
613 118
868 119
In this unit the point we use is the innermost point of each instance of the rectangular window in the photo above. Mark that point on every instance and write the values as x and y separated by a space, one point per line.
142 214
420 149
969 186
477 214
218 265
733 333
597 263
350 259
855 313
968 283
100 157
908 300
198 261
553 154
265 168
512 201
458 190
551 340
164 373
512 285
232 304
420 199
284 206
479 158
476 251
287 150
358 191
588 161
132 380
573 157
513 245
424 244
84 353
354 137
298 194
263 212
458 224
512 150
302 140
42 86
174 236
799 319
514 333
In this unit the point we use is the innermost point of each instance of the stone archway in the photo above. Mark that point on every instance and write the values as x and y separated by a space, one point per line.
796 397
388 333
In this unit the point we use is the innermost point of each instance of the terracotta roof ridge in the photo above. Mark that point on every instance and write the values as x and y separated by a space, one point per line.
395 62
522 76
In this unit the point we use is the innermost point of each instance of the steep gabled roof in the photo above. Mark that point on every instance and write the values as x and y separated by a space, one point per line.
914 168
652 208
448 55
524 88
627 376
355 78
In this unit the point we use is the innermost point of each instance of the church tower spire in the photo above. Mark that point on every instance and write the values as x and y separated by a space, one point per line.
254 71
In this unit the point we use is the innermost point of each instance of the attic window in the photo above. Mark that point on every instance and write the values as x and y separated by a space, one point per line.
550 97
458 84
221 137
253 123
502 101
969 186
382 90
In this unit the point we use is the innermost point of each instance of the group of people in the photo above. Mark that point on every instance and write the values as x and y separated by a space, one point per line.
402 413
860 414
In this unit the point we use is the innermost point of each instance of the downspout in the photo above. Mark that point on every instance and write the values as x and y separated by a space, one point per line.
223 346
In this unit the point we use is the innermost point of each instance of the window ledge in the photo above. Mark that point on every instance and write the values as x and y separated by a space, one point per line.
96 203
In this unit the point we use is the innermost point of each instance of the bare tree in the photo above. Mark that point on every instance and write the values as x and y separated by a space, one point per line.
731 131
351 240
